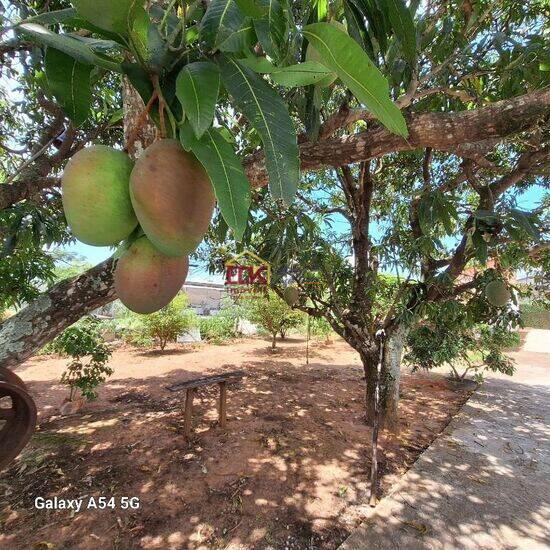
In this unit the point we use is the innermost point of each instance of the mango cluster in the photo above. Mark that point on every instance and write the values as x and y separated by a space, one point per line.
166 192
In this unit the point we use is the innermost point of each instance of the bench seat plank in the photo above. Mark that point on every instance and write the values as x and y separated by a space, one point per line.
206 380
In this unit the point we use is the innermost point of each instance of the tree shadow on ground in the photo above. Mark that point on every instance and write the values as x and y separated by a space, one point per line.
290 470
165 352
483 484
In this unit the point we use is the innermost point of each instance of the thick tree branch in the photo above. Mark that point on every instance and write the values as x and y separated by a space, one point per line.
440 131
27 331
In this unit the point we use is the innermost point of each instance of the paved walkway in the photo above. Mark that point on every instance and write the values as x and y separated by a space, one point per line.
485 482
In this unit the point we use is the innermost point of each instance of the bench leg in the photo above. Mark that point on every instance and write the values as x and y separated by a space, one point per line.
223 405
189 395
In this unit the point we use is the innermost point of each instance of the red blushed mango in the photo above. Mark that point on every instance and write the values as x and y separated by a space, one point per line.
172 197
96 196
146 280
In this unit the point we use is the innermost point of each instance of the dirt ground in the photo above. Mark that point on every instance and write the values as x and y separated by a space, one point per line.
290 471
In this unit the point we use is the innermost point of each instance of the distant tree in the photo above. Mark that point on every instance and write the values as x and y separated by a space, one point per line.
272 314
170 322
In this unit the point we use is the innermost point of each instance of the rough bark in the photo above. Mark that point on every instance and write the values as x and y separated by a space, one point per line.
391 375
369 358
440 131
28 330
137 135
453 132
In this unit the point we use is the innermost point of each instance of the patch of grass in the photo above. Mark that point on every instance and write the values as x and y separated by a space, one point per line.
44 444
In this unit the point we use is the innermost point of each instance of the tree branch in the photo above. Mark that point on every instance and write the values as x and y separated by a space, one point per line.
27 331
440 131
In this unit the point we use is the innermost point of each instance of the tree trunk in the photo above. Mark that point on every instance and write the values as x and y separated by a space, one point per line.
369 359
22 335
274 341
390 377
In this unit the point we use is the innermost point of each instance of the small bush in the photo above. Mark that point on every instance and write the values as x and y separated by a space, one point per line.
535 316
83 341
217 328
167 324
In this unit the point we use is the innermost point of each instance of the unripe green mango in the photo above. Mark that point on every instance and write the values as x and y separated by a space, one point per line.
96 196
146 280
172 197
291 295
497 294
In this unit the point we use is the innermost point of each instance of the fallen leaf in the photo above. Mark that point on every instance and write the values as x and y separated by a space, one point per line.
422 528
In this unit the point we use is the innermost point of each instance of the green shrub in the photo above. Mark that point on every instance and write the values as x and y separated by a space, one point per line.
167 324
451 337
83 341
272 314
535 316
217 328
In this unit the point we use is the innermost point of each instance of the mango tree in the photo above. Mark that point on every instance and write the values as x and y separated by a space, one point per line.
262 93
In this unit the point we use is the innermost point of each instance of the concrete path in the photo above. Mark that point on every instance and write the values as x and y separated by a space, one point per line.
485 482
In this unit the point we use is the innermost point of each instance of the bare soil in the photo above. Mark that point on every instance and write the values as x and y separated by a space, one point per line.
290 471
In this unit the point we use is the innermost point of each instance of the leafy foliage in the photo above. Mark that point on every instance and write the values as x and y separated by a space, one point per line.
272 314
167 324
454 338
175 54
89 356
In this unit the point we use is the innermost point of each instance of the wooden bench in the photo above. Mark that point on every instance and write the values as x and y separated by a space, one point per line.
190 387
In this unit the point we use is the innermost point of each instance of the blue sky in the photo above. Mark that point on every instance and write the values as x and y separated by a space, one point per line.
527 200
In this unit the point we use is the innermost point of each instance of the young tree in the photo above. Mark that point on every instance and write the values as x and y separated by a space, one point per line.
465 336
89 355
170 322
272 313
438 79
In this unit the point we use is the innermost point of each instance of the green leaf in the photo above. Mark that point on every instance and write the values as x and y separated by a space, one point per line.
52 17
69 82
522 220
322 9
259 64
197 88
240 40
271 29
348 60
251 8
111 15
301 74
150 46
221 20
402 25
74 48
480 247
226 174
268 113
